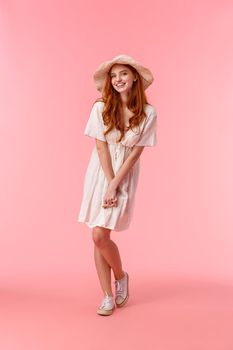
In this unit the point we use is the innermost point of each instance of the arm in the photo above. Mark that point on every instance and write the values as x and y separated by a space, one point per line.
105 159
114 180
106 163
126 166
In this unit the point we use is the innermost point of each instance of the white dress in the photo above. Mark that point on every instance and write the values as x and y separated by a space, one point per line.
95 183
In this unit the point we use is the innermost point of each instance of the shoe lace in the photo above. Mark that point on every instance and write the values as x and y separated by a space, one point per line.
119 288
106 301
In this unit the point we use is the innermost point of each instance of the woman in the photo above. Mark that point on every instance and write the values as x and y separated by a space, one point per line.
122 123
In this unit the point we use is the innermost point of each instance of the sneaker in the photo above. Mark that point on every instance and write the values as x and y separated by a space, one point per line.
107 306
122 290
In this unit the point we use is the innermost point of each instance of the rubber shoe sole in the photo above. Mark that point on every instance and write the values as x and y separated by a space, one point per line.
103 312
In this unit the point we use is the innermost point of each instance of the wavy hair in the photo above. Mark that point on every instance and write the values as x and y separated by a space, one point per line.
137 99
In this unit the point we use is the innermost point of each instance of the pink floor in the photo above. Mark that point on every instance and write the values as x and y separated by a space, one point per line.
161 314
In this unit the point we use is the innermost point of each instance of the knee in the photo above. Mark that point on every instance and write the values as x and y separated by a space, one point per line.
100 236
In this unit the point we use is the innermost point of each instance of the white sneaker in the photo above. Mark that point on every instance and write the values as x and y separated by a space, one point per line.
107 306
122 290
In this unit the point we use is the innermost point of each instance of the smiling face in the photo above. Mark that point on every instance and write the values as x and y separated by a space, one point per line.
122 78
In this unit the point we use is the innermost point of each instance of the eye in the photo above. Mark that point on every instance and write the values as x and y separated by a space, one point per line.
125 73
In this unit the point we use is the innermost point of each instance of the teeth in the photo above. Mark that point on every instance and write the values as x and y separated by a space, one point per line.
120 85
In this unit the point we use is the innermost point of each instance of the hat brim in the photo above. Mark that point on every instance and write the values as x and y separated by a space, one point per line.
101 72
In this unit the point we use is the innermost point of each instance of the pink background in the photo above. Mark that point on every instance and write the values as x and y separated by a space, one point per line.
180 240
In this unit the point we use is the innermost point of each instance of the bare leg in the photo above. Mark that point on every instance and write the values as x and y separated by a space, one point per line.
111 254
103 271
106 257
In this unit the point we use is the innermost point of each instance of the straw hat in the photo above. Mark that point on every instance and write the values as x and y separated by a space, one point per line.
100 74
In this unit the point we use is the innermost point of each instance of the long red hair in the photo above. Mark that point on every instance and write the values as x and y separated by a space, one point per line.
137 99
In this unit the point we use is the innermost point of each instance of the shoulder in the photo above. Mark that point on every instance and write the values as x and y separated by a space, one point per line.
150 110
98 105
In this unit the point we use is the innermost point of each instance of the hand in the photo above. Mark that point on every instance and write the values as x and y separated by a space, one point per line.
110 198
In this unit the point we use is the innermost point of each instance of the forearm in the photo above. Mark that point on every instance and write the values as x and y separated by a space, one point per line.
123 171
106 163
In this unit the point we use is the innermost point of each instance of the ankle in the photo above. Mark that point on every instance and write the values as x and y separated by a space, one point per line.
119 277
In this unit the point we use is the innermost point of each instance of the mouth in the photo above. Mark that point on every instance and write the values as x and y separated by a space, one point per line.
120 85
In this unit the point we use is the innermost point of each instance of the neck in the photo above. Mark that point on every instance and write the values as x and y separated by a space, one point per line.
124 99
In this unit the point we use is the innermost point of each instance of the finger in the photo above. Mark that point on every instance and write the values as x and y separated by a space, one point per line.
111 202
110 205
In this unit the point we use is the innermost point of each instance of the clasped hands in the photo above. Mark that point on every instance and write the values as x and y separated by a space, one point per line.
110 197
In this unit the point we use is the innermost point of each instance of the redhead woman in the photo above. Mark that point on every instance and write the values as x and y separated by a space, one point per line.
122 122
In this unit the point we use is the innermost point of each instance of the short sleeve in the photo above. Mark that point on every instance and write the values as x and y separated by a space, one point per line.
95 126
148 136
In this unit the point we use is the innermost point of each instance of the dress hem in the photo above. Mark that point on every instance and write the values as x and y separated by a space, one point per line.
94 225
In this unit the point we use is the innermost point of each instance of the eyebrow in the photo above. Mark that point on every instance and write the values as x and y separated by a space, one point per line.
124 70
